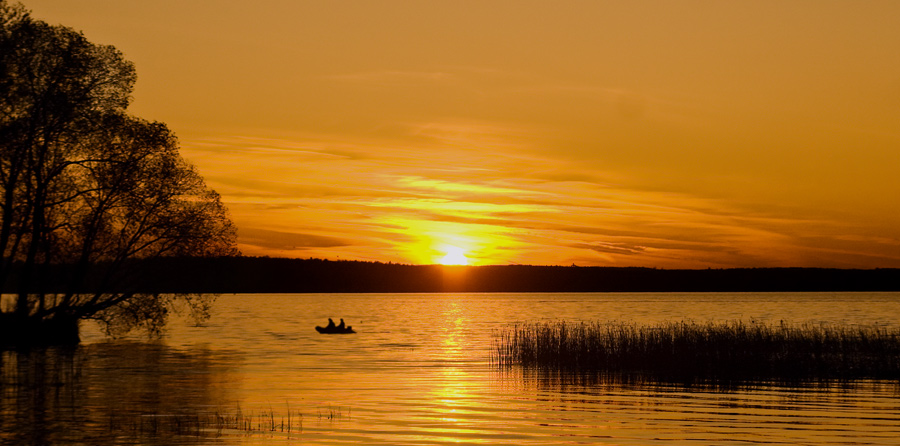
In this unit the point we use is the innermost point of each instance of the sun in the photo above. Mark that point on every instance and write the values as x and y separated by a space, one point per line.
455 256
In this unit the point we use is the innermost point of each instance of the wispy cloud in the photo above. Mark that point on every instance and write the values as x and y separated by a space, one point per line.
482 188
392 76
287 241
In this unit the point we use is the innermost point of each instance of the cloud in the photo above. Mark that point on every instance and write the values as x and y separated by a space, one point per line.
392 76
282 240
465 184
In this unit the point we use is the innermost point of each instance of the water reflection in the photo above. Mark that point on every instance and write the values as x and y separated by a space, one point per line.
569 380
418 372
542 379
108 393
616 407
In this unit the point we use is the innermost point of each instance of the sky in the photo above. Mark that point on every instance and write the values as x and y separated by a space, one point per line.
669 134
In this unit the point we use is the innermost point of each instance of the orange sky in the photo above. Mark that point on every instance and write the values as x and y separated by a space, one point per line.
666 134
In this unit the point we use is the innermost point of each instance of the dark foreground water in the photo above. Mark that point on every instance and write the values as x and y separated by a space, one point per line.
419 372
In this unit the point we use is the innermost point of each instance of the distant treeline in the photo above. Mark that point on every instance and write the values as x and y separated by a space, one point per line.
280 275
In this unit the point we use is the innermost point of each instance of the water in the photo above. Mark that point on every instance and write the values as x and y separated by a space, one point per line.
418 372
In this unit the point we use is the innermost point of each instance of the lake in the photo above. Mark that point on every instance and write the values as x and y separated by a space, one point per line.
418 372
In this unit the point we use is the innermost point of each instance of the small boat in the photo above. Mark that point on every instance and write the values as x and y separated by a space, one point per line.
334 330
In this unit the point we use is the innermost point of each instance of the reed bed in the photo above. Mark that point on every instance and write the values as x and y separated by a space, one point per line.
690 352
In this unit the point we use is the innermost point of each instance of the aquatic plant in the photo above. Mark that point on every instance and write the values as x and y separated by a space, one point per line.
691 352
219 422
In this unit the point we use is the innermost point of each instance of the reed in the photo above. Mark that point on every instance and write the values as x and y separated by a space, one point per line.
689 351
264 421
216 422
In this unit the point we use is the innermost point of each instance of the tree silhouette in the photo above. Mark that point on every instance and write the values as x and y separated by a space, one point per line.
87 186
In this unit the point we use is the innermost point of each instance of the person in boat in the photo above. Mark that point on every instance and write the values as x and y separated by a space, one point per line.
331 323
341 325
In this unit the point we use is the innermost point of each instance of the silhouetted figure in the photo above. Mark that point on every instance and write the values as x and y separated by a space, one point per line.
335 329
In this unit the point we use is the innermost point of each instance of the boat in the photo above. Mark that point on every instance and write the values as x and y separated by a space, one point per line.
335 330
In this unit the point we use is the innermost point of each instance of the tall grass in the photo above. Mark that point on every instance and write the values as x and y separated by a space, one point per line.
217 422
689 351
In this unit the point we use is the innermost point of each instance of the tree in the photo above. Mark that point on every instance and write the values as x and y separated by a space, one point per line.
86 191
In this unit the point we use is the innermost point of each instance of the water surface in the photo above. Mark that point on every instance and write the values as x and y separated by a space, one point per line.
419 372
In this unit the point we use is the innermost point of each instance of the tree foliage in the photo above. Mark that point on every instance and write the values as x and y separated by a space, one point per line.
85 185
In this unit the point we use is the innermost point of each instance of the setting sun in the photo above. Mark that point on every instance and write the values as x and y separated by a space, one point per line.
455 256
607 134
